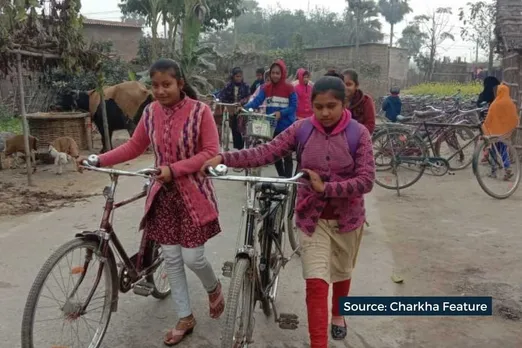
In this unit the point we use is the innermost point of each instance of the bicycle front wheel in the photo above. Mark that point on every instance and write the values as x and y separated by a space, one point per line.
293 232
240 305
54 322
496 166
450 144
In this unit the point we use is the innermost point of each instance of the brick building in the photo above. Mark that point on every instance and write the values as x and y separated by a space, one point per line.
342 57
125 36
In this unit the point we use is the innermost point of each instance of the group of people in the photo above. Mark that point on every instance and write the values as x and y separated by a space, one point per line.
289 101
181 210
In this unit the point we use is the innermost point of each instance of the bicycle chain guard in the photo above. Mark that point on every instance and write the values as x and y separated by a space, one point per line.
439 166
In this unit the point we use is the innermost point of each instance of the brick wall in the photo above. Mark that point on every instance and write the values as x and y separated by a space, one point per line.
124 36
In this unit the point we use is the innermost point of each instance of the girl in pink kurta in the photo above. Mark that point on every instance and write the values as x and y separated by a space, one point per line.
330 211
181 208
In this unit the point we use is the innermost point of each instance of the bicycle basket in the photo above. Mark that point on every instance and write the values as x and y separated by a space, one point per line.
258 126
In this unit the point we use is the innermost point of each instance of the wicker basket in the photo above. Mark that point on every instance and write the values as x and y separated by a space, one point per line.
49 126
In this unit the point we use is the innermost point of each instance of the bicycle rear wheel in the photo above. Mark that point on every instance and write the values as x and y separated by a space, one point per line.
241 291
68 312
496 165
449 144
397 146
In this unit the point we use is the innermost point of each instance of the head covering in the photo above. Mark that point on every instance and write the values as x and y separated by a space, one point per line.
300 75
281 88
234 72
502 115
488 94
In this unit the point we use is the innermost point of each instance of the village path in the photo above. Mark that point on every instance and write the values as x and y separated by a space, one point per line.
444 237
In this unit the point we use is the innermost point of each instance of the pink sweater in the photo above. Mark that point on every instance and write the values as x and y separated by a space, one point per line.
346 180
183 137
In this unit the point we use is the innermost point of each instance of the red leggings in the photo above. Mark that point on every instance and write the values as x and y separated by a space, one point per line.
317 307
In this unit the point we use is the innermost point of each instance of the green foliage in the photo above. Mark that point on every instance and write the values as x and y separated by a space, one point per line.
478 23
445 89
412 39
114 70
8 122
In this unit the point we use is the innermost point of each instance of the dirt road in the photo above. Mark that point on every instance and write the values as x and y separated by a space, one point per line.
444 237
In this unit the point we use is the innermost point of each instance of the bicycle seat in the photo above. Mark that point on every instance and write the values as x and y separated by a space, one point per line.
274 187
426 114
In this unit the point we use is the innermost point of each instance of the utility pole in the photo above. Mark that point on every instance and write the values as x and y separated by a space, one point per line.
476 52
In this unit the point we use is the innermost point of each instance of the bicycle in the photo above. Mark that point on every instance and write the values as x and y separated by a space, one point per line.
224 133
137 272
255 270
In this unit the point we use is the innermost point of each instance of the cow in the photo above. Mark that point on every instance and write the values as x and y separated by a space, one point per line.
124 104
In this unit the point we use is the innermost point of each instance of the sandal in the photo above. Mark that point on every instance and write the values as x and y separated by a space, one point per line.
216 302
184 328
339 332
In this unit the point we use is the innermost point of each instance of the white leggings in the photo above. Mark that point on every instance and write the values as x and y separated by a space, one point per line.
175 258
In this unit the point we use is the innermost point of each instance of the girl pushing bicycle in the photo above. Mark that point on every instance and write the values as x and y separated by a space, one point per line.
330 211
181 208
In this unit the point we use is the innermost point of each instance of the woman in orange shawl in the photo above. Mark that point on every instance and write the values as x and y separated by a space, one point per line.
501 120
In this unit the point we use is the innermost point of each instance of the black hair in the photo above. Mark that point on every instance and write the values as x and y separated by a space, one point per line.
332 84
333 73
260 71
353 75
171 66
395 90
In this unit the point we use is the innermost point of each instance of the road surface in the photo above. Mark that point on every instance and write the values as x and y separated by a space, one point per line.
27 241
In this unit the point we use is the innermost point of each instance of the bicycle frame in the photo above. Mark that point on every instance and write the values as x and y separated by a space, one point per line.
106 234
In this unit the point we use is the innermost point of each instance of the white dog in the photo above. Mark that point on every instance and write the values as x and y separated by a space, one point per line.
60 159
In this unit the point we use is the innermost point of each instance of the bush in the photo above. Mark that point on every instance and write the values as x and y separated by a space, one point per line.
440 89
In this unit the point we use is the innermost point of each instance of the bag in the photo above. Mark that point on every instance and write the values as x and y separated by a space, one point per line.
352 133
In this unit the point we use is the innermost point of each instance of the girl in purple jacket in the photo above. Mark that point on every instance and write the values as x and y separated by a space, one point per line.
330 211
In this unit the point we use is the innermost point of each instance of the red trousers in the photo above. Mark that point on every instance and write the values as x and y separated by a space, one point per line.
317 307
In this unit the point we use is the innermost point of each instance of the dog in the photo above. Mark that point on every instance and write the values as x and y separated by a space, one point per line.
60 159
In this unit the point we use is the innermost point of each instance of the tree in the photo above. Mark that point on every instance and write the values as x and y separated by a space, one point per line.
393 12
438 29
413 39
362 11
478 25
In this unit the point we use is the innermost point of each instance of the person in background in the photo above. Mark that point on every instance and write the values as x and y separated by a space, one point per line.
260 79
303 88
392 105
360 105
501 120
181 208
236 91
330 210
262 107
281 100
488 94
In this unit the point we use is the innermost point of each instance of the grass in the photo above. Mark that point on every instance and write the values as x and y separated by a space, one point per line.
11 124
440 89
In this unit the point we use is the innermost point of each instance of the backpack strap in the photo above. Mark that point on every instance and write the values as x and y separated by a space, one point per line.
302 135
353 135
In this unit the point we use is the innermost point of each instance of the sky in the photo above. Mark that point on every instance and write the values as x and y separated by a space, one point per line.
108 10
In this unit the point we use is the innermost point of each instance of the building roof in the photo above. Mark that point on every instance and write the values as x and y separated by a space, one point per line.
347 46
508 27
89 21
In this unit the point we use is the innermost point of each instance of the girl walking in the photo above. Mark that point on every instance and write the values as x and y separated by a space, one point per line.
181 210
303 88
281 99
236 91
330 211
360 105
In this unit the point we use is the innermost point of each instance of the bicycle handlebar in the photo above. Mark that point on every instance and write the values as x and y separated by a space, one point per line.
92 164
220 173
251 112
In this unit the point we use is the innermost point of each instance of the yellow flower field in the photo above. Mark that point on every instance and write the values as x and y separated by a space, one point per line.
440 89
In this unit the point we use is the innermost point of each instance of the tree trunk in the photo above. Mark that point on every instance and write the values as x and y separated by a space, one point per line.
25 125
490 57
389 54
107 137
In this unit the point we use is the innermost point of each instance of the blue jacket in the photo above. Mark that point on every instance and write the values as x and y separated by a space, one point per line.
392 105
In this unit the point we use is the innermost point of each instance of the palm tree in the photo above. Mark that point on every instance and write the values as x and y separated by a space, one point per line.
393 12
362 11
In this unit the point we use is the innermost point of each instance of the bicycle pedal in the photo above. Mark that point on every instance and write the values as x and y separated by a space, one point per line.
143 289
288 321
227 268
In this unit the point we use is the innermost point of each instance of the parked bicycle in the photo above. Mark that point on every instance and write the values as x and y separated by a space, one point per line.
259 257
142 272
224 129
